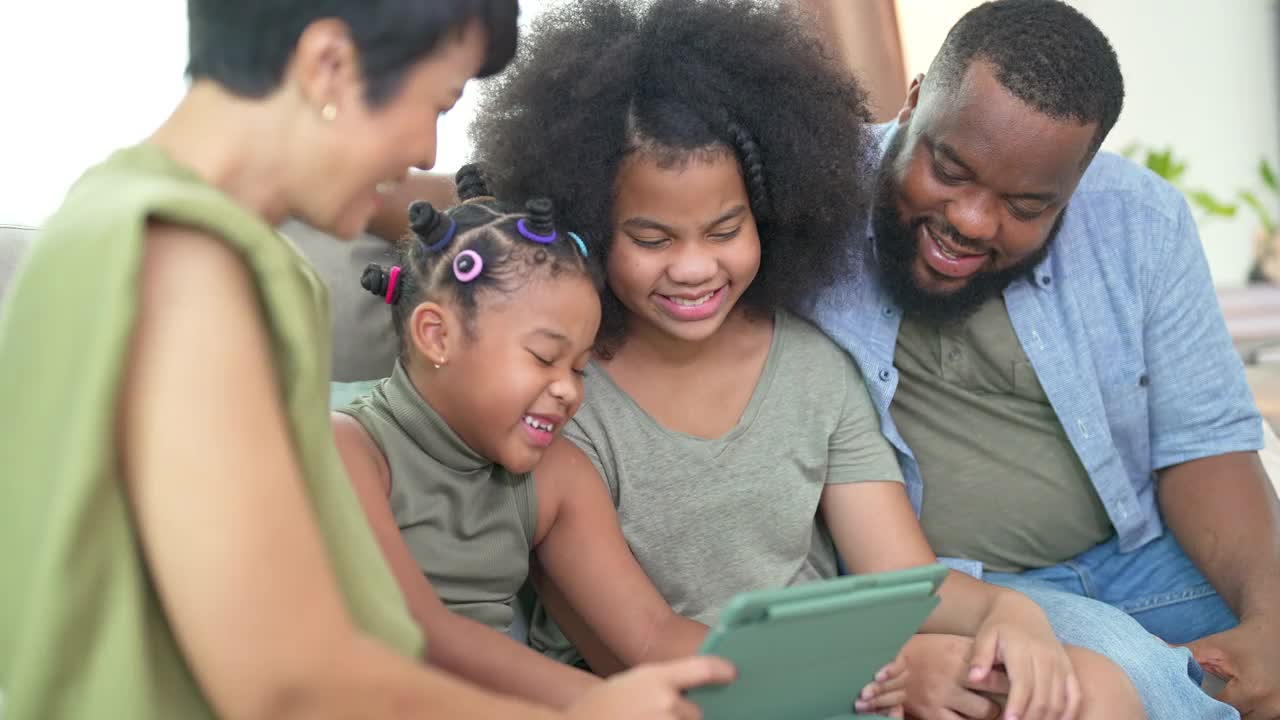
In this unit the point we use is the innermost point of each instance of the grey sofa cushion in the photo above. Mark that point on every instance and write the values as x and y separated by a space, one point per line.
364 341
14 241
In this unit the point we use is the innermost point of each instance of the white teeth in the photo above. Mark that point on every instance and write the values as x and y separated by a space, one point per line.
537 425
943 248
694 302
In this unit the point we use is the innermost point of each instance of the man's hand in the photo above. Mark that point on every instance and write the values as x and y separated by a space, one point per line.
938 684
1248 658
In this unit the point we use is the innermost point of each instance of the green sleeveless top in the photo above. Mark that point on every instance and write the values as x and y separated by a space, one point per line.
82 631
468 522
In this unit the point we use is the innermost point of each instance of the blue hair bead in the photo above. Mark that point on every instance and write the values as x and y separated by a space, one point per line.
440 244
531 235
582 247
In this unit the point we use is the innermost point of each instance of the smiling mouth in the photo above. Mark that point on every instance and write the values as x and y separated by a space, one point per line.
949 250
537 424
692 302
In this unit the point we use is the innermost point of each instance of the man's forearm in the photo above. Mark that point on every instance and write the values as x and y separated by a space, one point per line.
1224 512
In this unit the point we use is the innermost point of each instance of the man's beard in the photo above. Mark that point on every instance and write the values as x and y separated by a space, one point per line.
897 250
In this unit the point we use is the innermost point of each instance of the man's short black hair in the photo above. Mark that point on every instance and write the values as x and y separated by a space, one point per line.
1045 52
245 45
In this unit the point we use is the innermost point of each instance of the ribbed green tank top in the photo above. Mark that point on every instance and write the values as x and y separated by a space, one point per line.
82 633
468 522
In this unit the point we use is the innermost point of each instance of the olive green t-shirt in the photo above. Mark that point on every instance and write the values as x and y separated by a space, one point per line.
1002 483
708 519
82 630
468 522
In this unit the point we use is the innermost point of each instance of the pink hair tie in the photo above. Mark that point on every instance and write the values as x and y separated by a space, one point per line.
391 284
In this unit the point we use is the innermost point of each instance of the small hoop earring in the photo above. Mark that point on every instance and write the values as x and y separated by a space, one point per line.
329 112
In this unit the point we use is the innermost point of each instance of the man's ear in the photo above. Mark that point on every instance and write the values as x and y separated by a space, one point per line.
913 99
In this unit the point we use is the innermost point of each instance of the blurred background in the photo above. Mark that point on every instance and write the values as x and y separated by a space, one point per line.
80 78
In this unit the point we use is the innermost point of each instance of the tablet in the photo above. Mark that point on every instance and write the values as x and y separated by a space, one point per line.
804 652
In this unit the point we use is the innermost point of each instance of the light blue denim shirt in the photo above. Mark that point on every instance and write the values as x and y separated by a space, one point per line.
1122 326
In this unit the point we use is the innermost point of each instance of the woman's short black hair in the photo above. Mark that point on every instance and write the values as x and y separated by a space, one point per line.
597 80
245 45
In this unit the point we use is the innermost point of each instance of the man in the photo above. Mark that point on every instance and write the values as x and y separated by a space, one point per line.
1038 329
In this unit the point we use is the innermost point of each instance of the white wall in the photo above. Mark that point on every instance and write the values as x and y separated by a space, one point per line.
80 78
1200 76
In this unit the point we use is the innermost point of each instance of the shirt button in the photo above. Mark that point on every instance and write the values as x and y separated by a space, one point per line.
885 375
1045 280
1143 380
954 355
888 311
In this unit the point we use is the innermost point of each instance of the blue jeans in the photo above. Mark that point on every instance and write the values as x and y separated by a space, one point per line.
1123 605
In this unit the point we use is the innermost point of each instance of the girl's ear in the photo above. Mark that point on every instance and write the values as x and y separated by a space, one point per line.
434 331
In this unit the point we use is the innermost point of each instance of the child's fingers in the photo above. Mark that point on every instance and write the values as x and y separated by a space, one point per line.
897 682
1073 697
985 647
886 700
897 667
996 683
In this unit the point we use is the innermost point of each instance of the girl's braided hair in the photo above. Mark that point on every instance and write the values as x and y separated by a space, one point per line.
481 245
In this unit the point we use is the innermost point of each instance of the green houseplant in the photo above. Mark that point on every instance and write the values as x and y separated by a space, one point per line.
1265 204
1266 260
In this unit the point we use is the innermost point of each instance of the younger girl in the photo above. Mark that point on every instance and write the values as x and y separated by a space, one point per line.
497 311
714 158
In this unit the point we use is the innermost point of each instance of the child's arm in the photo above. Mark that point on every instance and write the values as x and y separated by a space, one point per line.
583 553
875 530
457 644
224 523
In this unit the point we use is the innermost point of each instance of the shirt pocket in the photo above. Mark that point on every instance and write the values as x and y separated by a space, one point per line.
1026 384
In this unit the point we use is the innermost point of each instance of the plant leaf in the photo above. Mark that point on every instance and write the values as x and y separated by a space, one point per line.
1158 161
1268 175
1264 216
1211 205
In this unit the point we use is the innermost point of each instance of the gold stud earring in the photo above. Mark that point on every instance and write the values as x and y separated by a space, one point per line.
329 112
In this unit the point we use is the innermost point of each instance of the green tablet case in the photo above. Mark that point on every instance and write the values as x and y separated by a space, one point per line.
804 652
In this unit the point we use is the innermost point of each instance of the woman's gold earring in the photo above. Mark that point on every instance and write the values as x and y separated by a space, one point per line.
329 112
